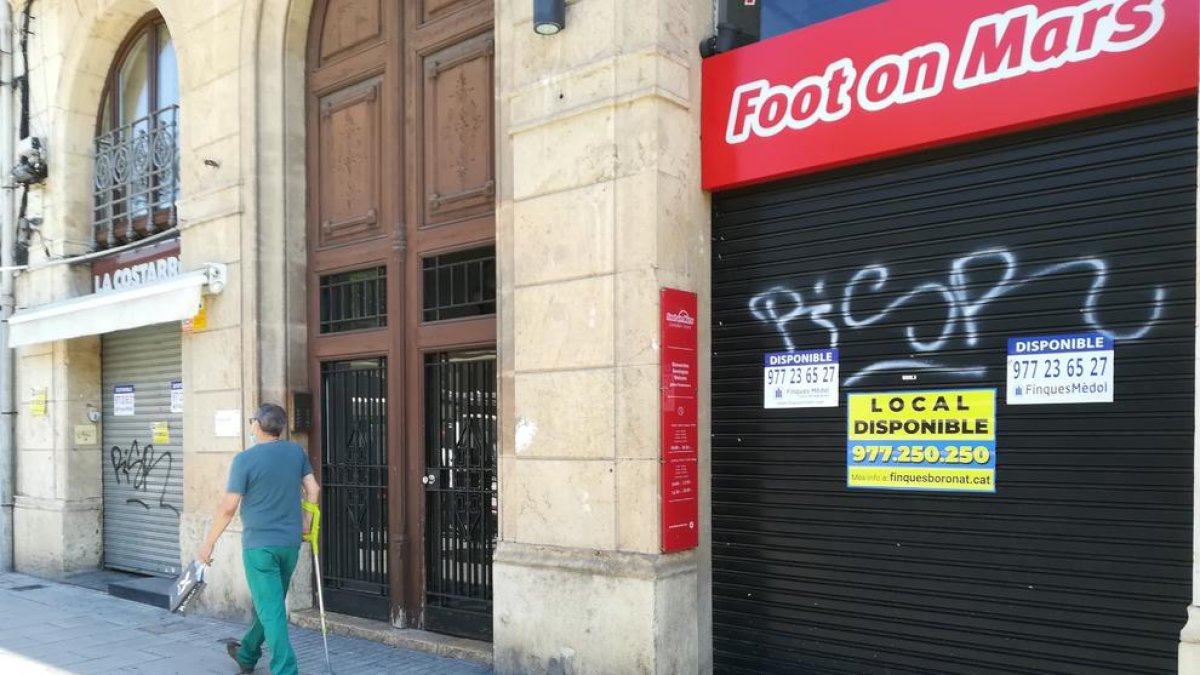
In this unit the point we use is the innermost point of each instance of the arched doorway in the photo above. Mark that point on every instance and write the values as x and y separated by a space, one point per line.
402 307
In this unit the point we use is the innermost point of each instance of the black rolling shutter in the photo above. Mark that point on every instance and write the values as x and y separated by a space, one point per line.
1081 561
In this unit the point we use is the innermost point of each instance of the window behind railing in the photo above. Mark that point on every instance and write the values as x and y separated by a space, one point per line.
136 178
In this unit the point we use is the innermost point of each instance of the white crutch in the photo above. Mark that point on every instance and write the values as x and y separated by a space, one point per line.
313 537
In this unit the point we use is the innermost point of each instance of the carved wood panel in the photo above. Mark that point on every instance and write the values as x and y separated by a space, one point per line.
432 10
458 139
349 165
349 24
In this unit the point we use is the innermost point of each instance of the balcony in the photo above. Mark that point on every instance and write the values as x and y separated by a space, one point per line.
136 179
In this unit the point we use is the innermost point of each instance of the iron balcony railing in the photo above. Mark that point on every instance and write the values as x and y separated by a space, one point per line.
136 179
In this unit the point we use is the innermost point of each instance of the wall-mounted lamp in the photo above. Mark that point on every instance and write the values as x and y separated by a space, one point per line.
549 16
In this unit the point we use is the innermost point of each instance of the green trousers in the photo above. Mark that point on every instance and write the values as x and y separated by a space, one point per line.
268 573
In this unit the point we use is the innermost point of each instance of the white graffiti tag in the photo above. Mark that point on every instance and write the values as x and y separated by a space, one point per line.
780 306
769 307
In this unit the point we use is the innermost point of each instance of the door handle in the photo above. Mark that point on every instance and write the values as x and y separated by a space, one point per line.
429 480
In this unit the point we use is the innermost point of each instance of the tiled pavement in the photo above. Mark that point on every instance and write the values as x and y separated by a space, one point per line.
47 627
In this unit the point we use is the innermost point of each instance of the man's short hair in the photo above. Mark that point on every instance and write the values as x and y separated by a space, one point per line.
272 419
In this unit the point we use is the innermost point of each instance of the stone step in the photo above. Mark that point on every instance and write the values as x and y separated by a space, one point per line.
152 591
463 649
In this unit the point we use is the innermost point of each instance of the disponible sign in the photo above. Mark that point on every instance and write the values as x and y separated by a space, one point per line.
679 451
1061 369
942 441
807 379
176 396
908 74
124 400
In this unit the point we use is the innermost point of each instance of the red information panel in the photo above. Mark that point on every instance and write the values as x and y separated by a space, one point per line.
909 74
678 471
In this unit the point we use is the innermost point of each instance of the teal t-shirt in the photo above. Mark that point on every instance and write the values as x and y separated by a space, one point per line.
268 476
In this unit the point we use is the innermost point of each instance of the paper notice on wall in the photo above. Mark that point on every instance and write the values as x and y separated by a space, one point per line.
1061 369
227 423
37 405
123 400
176 396
85 434
806 379
160 432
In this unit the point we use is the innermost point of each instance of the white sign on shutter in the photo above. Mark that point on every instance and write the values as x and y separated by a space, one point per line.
123 400
1060 369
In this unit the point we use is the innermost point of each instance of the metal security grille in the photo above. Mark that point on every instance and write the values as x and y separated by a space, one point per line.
354 300
918 270
458 285
354 470
142 468
460 530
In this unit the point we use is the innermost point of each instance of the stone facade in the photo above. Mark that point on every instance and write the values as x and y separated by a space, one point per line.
599 207
233 116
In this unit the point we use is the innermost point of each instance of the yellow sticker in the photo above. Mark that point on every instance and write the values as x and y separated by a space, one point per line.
37 406
162 433
200 321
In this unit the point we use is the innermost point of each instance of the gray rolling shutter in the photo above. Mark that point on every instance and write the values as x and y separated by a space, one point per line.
1081 560
143 479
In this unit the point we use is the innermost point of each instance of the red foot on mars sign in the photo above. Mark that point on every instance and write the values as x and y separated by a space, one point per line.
908 74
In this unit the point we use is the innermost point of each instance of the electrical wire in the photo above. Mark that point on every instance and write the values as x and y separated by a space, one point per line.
84 257
26 16
23 87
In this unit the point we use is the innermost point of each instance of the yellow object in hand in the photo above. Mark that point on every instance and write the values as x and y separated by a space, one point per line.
314 531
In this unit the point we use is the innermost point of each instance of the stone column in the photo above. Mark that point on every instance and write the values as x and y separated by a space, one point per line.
600 207
57 523
217 226
58 502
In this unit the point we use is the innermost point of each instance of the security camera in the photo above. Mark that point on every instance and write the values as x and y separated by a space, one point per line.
30 167
729 36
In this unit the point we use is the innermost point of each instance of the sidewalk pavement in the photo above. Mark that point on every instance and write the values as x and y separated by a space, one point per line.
48 627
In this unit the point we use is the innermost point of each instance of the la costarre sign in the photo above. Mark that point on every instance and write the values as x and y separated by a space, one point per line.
909 74
139 267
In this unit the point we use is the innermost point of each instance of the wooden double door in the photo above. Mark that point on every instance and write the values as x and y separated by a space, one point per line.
402 302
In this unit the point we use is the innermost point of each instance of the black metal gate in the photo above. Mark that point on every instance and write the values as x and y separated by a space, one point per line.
354 470
918 270
460 483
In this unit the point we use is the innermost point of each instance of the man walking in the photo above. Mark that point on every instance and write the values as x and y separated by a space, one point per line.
265 480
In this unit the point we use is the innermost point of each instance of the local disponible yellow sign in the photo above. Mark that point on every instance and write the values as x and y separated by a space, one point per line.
922 440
